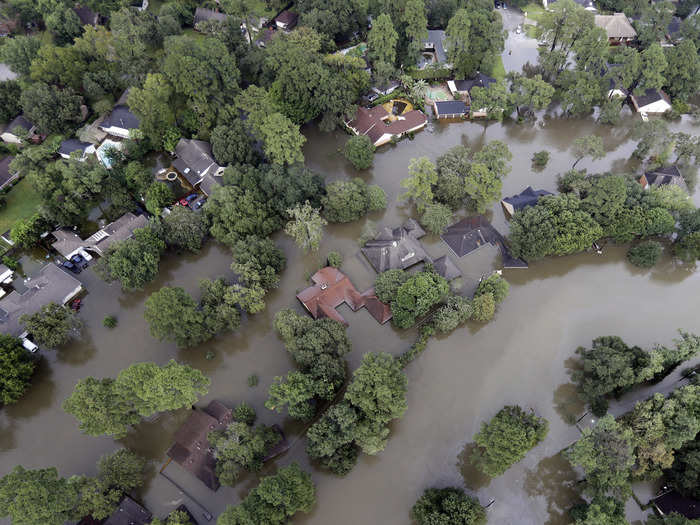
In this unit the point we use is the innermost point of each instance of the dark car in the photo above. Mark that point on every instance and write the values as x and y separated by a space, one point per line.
72 267
79 260
199 203
185 201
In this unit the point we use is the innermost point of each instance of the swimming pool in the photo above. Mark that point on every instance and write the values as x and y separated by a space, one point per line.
102 151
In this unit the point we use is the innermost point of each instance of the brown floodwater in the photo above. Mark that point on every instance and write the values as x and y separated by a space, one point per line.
521 357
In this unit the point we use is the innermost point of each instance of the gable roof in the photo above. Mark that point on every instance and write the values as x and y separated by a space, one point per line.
68 146
194 159
472 233
5 174
49 285
20 121
397 248
375 122
649 97
120 117
129 513
527 197
479 80
68 242
87 16
288 18
450 107
446 268
666 176
202 14
191 449
332 288
616 25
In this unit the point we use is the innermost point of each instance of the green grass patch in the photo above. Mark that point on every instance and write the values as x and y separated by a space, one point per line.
499 71
534 11
194 34
531 31
22 202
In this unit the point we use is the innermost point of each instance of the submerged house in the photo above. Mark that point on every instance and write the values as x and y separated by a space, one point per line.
667 176
129 513
450 109
68 243
652 101
195 162
332 288
191 449
381 127
120 120
527 197
397 248
472 233
462 89
618 28
49 285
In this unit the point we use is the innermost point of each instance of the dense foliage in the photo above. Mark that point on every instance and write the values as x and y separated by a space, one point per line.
415 297
449 505
52 326
348 200
17 369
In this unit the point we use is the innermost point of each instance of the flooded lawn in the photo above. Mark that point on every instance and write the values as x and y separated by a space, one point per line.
520 357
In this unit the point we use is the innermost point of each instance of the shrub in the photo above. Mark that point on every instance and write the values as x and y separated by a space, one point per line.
496 286
11 263
252 380
388 283
645 254
244 413
540 159
449 505
335 259
110 321
483 307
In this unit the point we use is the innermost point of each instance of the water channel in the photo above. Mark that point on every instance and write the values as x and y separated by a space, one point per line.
461 380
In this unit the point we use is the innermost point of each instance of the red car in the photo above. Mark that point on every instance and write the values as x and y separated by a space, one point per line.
185 201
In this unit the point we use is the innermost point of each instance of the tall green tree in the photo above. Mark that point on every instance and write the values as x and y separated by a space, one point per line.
18 52
52 326
18 368
600 510
382 40
448 505
422 176
652 69
306 226
10 92
173 315
283 140
457 41
415 27
683 70
51 109
530 93
184 229
153 105
587 146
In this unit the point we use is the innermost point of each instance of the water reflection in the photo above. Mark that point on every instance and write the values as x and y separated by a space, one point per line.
473 477
554 481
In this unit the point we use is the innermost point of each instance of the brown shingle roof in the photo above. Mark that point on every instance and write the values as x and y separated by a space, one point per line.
191 448
375 123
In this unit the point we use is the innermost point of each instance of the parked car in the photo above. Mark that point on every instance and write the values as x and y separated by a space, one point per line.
75 305
199 203
79 260
185 201
72 267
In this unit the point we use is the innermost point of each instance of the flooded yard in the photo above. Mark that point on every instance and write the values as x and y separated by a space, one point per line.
461 380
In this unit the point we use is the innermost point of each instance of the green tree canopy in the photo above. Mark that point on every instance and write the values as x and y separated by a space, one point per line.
18 368
306 226
184 229
348 200
417 296
422 176
52 326
449 505
359 150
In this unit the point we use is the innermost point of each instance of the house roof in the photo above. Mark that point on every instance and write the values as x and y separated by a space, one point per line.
435 40
472 233
129 513
675 502
5 173
446 268
649 97
191 448
616 25
202 14
49 285
527 197
332 288
397 248
479 79
18 121
194 159
287 18
120 117
87 16
67 241
375 122
667 176
451 107
70 145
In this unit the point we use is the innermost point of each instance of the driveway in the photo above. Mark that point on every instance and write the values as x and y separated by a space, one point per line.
519 48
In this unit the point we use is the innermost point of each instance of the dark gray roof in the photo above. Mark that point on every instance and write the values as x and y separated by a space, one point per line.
5 174
675 502
528 197
203 14
396 248
194 159
70 145
49 285
666 176
120 117
674 26
87 16
445 267
479 79
451 107
471 233
129 513
19 121
650 96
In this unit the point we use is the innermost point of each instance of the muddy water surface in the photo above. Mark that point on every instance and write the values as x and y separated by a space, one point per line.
521 357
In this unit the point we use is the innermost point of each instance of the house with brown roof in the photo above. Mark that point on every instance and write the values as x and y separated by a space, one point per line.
192 450
332 288
618 28
381 126
286 20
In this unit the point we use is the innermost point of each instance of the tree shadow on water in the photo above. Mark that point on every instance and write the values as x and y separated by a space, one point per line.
473 477
567 401
554 480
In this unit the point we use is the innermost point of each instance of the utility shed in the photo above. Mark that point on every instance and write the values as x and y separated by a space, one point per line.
129 513
191 449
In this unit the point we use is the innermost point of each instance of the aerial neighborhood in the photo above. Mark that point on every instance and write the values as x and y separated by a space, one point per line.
336 262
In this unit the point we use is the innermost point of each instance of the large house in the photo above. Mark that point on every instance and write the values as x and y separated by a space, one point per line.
191 449
653 101
332 288
120 120
617 27
7 176
527 197
129 513
381 127
195 162
49 285
397 248
69 148
461 88
473 233
667 176
68 243
20 128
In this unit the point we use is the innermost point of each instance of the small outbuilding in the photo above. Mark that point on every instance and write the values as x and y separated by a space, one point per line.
20 128
527 197
450 109
653 101
286 20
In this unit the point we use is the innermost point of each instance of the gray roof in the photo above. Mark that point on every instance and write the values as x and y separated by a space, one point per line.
194 159
472 233
616 25
675 502
451 107
121 116
435 40
649 97
667 176
67 241
208 183
19 121
203 14
70 145
5 174
527 197
446 268
129 513
49 285
396 248
479 79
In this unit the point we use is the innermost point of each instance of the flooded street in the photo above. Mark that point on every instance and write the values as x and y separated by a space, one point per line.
460 381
